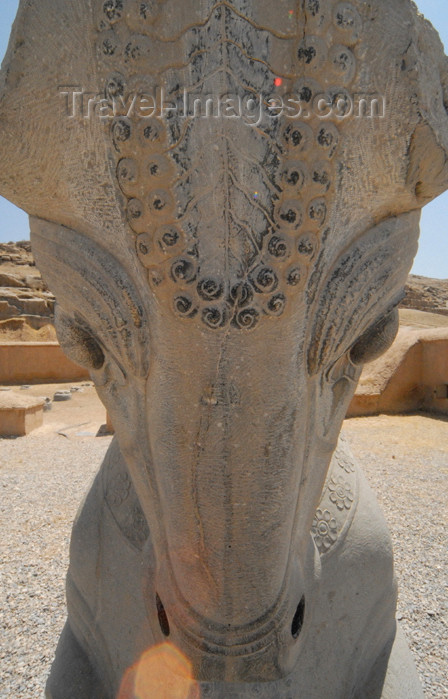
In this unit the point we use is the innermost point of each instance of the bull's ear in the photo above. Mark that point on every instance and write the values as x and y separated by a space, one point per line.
362 286
428 165
78 341
101 316
376 340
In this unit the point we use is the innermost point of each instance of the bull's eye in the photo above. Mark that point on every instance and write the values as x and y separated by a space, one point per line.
162 617
376 340
77 342
297 621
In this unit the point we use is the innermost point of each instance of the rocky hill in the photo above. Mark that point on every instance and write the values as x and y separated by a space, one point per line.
26 305
425 294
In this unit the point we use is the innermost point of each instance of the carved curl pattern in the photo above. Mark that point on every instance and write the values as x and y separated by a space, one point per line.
292 203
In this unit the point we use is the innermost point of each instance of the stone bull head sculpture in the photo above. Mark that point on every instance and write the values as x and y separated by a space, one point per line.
224 197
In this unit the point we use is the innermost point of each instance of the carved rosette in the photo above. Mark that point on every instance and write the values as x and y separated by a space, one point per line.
337 505
270 222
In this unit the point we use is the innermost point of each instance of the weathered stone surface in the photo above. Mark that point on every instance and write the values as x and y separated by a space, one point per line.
26 305
224 278
19 302
18 254
10 280
62 395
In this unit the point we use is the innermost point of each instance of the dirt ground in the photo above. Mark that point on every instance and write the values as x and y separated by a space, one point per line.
400 433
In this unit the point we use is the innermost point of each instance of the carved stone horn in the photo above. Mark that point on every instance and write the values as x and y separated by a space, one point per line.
224 277
428 169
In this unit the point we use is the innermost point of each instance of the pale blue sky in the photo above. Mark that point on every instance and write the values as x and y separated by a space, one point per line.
432 258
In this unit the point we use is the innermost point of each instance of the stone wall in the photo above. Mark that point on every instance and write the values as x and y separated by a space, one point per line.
37 362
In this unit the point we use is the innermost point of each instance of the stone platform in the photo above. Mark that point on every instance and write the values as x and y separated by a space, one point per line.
412 375
19 414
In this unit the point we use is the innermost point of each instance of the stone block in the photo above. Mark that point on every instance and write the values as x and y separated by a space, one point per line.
20 415
35 306
5 310
10 280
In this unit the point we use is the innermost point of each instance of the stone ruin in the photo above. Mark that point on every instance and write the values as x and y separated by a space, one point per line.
225 267
26 304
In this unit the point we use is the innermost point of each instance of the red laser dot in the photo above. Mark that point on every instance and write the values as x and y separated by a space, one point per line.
278 82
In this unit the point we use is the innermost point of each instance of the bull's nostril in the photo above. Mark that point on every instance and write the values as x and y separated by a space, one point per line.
162 616
297 621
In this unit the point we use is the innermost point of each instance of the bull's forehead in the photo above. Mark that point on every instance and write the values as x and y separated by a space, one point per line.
227 215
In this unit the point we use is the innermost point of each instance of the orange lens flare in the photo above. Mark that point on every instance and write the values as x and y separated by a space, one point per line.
162 672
